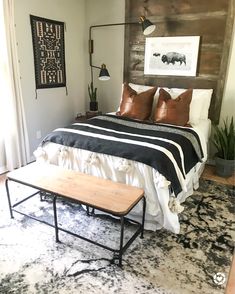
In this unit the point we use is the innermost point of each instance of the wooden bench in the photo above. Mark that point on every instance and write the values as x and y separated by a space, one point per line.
113 198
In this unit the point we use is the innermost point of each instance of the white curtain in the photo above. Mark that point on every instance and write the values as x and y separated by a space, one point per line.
14 145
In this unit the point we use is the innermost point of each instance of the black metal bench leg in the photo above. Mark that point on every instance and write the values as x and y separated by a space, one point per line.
9 199
143 218
55 219
41 195
121 241
88 212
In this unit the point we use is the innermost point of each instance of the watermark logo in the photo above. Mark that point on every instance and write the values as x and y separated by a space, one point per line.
219 278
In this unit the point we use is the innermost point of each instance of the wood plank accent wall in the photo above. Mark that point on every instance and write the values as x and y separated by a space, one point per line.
211 20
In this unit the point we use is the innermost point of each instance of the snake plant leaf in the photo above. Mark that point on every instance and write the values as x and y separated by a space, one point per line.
224 139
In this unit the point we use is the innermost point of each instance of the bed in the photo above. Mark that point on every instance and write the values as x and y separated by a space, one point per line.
164 158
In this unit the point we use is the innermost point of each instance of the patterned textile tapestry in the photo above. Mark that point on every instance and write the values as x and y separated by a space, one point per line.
48 48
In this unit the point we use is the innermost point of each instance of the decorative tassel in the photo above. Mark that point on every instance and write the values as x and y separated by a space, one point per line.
123 166
92 159
175 206
64 154
160 181
40 154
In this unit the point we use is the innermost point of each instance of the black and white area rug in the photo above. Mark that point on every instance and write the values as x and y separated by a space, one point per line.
195 261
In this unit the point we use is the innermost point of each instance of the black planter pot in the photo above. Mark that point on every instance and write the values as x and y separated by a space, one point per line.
93 105
224 168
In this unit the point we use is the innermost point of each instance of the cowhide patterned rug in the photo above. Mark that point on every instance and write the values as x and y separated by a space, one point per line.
32 262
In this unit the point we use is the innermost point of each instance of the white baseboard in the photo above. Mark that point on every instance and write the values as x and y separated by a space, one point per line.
3 169
32 158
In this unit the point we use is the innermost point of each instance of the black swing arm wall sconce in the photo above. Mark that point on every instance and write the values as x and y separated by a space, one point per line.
147 28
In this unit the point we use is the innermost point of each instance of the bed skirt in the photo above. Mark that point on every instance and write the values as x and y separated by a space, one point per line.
162 206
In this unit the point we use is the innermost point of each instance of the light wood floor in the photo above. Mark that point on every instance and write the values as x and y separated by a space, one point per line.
210 174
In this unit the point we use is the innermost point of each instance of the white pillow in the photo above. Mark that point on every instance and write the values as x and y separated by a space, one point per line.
204 96
142 88
139 88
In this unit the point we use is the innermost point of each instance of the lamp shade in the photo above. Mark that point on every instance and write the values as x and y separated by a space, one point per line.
104 74
147 26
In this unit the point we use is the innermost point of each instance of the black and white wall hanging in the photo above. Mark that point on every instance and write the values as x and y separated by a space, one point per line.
49 52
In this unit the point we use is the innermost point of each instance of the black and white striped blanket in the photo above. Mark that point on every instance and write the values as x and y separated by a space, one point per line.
171 150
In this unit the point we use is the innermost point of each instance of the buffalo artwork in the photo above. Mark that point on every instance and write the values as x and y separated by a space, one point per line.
171 56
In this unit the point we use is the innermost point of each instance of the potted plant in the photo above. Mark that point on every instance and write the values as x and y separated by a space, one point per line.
93 97
224 142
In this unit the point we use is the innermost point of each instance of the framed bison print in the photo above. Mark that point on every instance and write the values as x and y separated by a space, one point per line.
175 56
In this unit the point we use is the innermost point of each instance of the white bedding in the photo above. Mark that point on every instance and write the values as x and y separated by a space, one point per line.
162 209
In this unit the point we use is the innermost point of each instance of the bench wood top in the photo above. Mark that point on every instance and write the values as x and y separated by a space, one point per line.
112 197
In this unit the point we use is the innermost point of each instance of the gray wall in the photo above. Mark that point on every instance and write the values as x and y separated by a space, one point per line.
108 49
52 108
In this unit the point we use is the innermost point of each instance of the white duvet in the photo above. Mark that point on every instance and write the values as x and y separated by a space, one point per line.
162 208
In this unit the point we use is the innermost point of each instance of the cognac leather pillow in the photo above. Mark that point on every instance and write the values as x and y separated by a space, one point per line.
173 111
136 106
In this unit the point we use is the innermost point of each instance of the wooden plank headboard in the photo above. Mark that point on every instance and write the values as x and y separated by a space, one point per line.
211 20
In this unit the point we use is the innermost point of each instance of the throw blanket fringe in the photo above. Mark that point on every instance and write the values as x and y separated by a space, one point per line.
92 159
